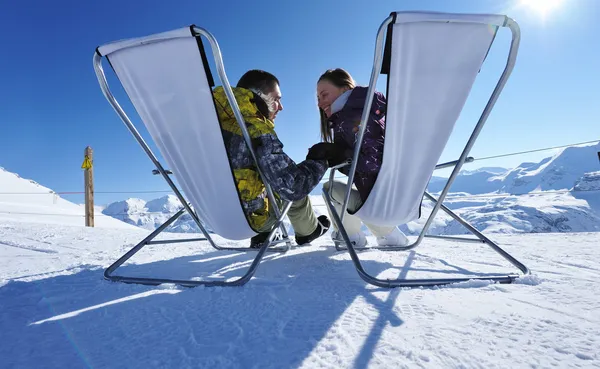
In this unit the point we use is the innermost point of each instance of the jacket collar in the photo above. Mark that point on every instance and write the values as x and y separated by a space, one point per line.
244 96
340 102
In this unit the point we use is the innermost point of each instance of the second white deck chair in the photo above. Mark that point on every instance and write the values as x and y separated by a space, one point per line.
432 60
168 80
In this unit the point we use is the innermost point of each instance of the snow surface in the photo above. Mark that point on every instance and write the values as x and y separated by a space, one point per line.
27 200
304 309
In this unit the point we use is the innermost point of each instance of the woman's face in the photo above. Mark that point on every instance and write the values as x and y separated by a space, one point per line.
327 93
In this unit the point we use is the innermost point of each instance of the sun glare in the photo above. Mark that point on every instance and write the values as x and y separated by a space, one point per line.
542 7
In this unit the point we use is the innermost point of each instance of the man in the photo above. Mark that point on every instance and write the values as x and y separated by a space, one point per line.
259 99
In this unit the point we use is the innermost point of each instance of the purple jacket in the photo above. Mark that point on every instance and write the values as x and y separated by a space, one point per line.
345 124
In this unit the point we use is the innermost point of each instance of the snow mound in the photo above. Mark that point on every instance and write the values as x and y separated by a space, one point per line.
26 200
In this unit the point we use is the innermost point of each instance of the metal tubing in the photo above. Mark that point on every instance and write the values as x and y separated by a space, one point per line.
481 239
238 114
438 203
481 236
516 36
286 239
162 242
113 102
144 242
391 283
470 159
190 283
366 110
97 62
402 248
510 63
458 239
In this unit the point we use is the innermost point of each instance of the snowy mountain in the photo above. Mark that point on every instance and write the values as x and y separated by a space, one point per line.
150 214
494 170
558 172
589 182
26 200
535 213
473 182
574 169
587 188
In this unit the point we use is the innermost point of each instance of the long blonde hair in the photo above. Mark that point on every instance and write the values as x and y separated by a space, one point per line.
339 78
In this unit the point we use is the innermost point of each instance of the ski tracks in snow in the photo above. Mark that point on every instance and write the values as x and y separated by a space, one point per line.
304 309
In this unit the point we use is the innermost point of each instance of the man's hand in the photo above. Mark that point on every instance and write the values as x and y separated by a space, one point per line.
335 154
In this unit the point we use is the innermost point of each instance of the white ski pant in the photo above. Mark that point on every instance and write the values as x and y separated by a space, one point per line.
352 223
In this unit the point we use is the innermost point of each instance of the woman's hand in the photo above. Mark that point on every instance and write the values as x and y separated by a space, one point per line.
334 153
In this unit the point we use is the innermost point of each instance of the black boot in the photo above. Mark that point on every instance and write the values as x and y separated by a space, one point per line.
257 241
323 225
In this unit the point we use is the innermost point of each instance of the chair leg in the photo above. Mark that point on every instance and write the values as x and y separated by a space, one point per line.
481 237
108 273
405 282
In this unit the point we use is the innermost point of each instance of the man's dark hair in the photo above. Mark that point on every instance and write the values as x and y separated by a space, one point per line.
258 79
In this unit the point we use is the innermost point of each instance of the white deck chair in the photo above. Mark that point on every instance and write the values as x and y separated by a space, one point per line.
432 60
168 80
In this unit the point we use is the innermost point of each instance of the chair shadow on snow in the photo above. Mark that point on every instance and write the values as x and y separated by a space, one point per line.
276 320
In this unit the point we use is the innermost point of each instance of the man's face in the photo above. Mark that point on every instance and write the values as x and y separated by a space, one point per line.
274 102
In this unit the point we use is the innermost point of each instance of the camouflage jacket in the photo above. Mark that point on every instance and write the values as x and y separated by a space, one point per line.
289 181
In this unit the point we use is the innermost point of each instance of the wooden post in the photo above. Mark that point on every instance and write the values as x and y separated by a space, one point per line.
89 186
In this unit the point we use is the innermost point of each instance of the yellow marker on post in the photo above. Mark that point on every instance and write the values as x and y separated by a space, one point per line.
87 163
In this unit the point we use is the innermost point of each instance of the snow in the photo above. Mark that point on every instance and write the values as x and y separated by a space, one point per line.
27 200
589 182
534 213
475 182
307 308
557 172
493 170
304 309
151 214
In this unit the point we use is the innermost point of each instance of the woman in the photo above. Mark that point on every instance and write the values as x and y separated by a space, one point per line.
341 105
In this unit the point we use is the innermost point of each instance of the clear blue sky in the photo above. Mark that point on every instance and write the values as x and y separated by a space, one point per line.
52 107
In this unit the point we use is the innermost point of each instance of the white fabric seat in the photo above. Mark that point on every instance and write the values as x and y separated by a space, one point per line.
432 61
168 80
432 69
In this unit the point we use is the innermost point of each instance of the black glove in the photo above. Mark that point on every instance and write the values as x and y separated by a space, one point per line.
318 151
334 153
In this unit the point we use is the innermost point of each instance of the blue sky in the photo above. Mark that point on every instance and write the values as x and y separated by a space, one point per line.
52 107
